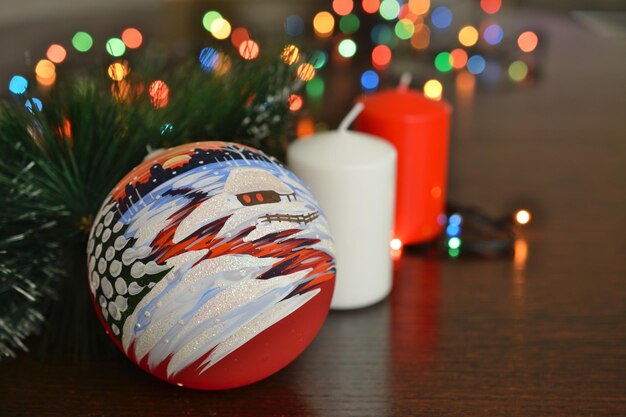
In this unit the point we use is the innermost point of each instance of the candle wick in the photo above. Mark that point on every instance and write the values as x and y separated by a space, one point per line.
351 116
405 81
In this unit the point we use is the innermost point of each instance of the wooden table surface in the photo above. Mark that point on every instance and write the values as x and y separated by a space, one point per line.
543 336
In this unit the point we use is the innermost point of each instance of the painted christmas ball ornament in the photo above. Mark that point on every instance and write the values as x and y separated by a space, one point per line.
211 265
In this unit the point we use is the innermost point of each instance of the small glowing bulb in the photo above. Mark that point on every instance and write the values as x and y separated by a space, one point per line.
522 216
395 244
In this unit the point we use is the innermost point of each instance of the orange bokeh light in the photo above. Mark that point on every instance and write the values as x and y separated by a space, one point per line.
381 57
132 38
45 69
527 41
159 93
323 24
343 7
458 58
305 127
306 71
295 102
56 53
370 6
249 49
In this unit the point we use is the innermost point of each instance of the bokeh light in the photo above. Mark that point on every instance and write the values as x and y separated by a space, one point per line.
490 6
441 17
370 6
82 41
159 93
458 58
249 49
419 7
395 244
421 38
223 64
238 36
518 70
527 41
454 243
323 24
118 71
347 48
404 29
167 128
349 24
56 53
433 89
290 54
493 34
220 28
315 88
305 71
468 36
382 34
318 59
208 19
45 69
33 103
522 216
295 102
18 84
476 64
132 38
46 82
389 9
453 252
455 219
465 83
381 57
305 127
343 7
294 26
115 47
369 80
443 62
208 58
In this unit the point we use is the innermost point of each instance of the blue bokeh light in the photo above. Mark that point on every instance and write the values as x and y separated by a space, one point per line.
208 59
453 230
455 220
33 103
493 34
441 17
476 64
369 80
18 84
294 25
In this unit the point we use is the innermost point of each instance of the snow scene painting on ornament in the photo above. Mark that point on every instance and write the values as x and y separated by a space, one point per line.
211 265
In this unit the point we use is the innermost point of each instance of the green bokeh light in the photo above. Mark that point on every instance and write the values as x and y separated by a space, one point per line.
318 59
347 48
349 24
208 19
518 71
404 29
82 41
315 87
389 9
443 62
115 47
454 243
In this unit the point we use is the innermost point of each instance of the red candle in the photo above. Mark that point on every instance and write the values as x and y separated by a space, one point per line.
419 129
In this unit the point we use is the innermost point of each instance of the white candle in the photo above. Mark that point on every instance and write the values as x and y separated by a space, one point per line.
353 175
